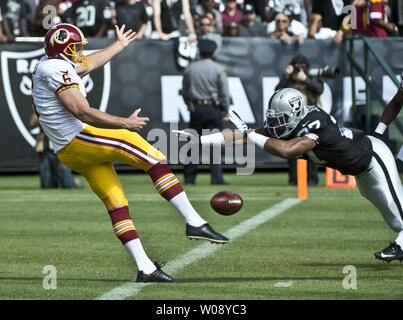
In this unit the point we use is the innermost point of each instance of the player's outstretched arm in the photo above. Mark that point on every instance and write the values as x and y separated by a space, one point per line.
390 112
101 57
226 137
287 149
73 101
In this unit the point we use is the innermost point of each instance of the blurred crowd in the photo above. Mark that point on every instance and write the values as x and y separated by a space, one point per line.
288 20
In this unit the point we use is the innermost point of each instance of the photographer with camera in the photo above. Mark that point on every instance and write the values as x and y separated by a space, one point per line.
297 76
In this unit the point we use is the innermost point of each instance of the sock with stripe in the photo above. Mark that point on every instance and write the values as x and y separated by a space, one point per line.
166 183
126 232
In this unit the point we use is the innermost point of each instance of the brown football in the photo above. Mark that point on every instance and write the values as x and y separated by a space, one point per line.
226 202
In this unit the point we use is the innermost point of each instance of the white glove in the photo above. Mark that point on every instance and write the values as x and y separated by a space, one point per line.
214 139
183 135
238 122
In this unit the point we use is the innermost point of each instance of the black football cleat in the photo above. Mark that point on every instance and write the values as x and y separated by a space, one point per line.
156 276
205 232
393 252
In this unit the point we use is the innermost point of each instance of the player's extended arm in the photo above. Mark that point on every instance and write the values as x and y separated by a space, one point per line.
390 112
287 149
101 57
73 101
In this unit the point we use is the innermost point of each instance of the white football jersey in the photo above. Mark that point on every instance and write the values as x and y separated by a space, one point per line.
50 77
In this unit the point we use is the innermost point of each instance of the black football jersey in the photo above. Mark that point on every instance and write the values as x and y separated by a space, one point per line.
343 149
89 15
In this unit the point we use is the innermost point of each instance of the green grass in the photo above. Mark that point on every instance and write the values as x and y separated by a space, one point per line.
306 246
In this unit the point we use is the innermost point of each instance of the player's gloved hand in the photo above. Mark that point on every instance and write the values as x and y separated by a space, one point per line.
238 122
183 135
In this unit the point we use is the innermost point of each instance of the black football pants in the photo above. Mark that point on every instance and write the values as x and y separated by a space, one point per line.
205 117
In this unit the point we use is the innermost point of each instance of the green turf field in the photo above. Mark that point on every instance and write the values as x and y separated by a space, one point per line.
298 254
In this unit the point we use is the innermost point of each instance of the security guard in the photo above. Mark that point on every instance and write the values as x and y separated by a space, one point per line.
205 92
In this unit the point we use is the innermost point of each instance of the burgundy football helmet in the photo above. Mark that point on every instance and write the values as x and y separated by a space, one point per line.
66 41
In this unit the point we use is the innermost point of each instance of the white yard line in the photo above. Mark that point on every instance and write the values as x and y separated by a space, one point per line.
130 289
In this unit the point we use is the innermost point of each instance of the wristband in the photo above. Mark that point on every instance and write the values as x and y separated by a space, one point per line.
215 139
381 128
258 139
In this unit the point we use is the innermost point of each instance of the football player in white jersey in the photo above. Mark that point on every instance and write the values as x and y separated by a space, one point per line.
88 140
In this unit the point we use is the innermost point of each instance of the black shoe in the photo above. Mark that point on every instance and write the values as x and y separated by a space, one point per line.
393 252
156 276
205 232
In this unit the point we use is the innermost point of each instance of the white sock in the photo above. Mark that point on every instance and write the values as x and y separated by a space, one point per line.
399 239
185 208
140 257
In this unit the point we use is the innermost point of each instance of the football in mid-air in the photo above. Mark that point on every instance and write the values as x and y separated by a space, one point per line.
226 202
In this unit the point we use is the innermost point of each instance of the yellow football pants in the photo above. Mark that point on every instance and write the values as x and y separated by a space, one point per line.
91 154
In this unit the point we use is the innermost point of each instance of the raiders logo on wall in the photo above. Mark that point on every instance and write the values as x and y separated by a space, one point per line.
17 68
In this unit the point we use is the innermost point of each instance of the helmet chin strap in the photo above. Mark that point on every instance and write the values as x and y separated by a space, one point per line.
68 60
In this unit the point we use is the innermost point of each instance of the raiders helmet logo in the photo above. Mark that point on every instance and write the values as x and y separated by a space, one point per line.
61 36
295 103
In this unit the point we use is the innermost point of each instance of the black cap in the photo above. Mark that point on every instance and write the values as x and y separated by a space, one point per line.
248 8
206 46
299 59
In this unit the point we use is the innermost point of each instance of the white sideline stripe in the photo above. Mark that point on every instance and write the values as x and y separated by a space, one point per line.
132 288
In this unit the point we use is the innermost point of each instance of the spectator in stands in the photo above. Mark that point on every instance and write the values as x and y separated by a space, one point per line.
14 21
232 29
378 25
30 6
331 11
281 30
371 20
317 31
92 17
133 14
168 22
3 37
207 31
37 29
250 25
215 27
288 7
396 14
64 5
231 12
259 6
206 6
295 28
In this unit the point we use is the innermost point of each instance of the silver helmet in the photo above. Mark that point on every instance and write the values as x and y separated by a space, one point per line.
285 110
